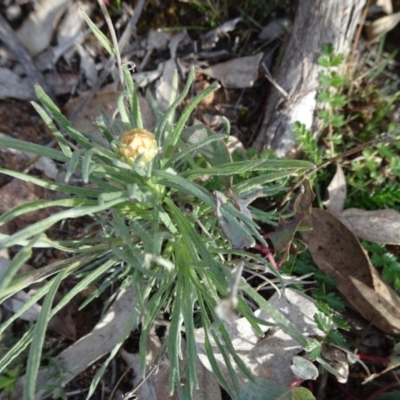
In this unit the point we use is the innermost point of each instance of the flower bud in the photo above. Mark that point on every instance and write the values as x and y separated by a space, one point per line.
138 142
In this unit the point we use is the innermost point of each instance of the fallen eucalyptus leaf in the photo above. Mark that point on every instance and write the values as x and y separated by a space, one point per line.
379 226
338 253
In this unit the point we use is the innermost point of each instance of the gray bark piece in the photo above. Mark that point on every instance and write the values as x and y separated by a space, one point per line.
317 22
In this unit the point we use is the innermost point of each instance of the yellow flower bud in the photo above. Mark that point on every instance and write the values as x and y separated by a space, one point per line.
138 142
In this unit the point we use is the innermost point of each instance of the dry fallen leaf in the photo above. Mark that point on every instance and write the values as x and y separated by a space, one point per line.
38 29
19 192
274 29
269 357
381 26
12 86
337 191
379 226
107 102
80 355
238 73
338 253
283 234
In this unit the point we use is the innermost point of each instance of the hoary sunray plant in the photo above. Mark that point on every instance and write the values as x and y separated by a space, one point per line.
159 230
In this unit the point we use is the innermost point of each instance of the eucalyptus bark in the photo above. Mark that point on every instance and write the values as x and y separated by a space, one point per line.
317 23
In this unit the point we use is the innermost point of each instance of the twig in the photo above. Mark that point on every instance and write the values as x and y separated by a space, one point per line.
274 82
9 38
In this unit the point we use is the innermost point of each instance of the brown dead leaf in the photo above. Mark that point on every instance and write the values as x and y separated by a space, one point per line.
379 226
283 235
337 191
107 102
16 193
239 73
337 252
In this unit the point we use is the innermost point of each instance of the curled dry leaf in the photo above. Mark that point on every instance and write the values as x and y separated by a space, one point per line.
338 253
379 226
337 191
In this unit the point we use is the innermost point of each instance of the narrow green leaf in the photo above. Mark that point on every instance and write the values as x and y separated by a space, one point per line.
29 147
185 116
216 153
161 126
240 167
59 187
260 180
39 333
60 118
19 259
75 158
65 147
173 94
99 35
188 302
32 300
25 279
86 282
286 325
174 338
46 223
40 204
122 112
16 350
86 165
181 184
193 147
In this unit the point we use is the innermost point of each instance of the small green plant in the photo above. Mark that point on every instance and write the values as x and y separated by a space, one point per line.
156 224
159 228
